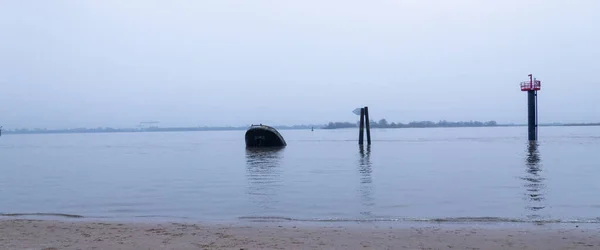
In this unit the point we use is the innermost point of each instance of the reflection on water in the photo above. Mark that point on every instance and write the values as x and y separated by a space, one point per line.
534 182
365 188
263 173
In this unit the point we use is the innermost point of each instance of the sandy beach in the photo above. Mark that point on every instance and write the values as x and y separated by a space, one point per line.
53 234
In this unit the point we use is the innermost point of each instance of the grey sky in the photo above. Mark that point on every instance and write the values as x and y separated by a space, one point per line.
116 63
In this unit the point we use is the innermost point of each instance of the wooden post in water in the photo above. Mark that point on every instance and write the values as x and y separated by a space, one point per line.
361 126
368 125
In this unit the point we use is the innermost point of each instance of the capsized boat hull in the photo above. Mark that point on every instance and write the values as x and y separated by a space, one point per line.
263 136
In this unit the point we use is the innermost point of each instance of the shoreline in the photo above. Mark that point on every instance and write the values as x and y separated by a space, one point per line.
488 222
17 233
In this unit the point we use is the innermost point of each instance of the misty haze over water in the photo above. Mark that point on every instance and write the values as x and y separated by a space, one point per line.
71 64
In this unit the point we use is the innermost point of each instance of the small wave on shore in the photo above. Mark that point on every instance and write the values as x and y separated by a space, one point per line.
41 214
435 220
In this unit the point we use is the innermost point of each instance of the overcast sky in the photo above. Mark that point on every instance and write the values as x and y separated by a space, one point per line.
71 63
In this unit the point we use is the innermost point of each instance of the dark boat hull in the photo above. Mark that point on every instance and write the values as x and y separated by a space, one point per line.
263 136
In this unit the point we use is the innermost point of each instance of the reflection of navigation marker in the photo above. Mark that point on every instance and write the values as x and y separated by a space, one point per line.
534 182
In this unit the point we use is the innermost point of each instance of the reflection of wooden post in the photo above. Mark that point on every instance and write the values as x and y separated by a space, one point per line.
362 126
368 125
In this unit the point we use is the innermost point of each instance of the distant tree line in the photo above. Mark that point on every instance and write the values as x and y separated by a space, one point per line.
582 124
147 129
65 131
334 125
383 123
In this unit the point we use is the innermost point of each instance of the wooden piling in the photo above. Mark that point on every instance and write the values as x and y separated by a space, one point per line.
362 127
368 125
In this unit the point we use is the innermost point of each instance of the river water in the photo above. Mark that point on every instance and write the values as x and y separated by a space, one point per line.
441 174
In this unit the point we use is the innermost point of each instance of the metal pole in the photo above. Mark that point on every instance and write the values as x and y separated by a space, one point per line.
531 114
536 116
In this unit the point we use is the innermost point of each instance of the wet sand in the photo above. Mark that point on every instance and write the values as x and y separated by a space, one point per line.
65 234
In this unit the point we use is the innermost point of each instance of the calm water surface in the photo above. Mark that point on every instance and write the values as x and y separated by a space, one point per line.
461 174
